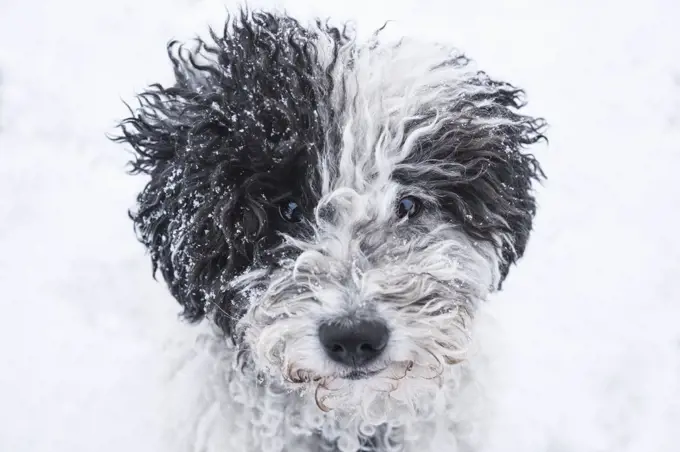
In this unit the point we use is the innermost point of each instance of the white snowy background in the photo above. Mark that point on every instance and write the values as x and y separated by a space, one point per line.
589 322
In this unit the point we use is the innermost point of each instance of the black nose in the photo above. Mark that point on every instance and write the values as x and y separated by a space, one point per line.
354 343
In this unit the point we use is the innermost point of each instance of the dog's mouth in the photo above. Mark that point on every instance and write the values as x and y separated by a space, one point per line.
360 374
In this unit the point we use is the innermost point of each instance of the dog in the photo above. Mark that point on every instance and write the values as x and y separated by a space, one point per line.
338 211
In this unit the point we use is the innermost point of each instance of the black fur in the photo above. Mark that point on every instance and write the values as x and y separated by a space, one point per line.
223 149
493 194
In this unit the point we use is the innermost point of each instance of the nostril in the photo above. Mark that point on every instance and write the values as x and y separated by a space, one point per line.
366 348
337 348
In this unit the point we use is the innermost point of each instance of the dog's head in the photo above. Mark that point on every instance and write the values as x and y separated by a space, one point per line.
339 210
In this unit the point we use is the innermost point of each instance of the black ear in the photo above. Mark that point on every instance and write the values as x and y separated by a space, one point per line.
186 209
241 123
485 177
497 185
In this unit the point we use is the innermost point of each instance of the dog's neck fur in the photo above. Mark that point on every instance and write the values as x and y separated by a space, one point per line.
250 414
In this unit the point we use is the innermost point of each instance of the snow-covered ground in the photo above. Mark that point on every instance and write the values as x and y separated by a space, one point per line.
589 322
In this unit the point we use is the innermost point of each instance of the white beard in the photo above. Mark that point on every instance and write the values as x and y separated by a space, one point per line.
220 406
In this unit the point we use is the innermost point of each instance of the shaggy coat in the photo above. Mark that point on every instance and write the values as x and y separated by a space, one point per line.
300 178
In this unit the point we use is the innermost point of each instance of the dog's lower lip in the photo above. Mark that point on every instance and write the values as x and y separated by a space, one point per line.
360 374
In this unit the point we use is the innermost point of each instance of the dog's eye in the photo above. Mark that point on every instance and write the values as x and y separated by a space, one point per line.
290 211
408 207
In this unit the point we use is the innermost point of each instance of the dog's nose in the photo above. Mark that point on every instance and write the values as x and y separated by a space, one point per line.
354 344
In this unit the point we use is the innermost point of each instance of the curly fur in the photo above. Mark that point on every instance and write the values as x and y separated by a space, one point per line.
272 111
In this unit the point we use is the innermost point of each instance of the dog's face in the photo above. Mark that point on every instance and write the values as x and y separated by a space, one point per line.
338 210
